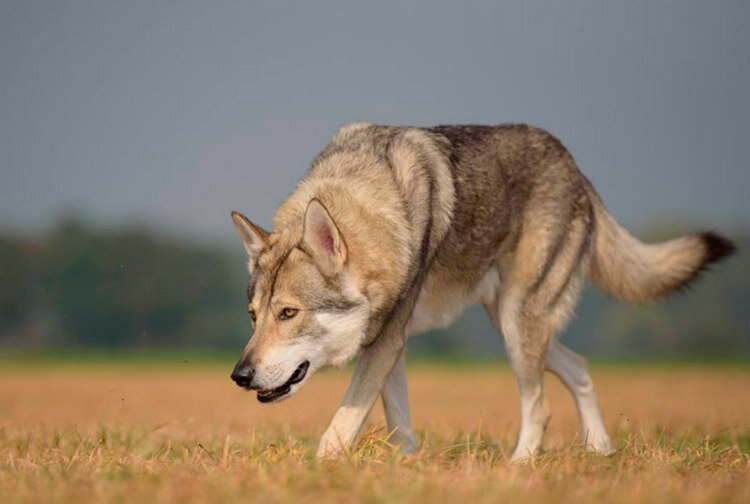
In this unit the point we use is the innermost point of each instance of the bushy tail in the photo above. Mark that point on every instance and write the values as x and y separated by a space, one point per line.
628 269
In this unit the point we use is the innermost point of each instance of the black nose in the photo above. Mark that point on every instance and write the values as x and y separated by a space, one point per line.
243 374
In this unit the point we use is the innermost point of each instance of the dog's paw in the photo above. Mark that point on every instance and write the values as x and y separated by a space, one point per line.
522 457
600 443
408 444
330 446
405 440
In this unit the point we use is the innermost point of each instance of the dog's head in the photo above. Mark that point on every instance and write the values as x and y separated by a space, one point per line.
306 309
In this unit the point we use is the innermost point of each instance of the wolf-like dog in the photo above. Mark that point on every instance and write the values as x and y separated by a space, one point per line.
395 230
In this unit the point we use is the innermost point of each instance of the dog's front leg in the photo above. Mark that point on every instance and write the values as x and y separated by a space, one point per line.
370 375
396 407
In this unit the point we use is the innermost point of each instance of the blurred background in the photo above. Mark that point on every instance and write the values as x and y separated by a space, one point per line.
129 130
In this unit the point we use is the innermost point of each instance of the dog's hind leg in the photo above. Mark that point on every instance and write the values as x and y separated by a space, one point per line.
396 406
543 284
526 345
571 369
526 341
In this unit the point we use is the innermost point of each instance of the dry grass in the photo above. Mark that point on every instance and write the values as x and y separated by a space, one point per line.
135 435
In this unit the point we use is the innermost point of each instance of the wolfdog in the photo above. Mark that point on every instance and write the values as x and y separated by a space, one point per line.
395 230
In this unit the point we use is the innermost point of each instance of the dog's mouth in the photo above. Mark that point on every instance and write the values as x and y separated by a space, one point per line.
266 396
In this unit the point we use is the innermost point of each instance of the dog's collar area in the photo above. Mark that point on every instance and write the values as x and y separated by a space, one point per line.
266 396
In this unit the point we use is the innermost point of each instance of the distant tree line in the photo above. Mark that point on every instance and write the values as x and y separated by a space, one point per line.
84 287
80 286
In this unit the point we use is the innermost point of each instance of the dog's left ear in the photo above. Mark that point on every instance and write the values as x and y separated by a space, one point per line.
322 239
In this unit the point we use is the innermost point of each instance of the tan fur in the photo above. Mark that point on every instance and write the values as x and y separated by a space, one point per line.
629 269
363 216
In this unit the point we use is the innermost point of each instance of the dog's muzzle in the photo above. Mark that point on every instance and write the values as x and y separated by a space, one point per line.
266 396
243 376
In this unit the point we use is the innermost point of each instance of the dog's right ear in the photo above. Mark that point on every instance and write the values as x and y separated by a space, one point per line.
322 239
254 238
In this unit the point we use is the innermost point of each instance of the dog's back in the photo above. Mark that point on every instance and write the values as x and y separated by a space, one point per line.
511 180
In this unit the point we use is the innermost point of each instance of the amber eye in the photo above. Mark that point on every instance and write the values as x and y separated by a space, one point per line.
287 313
252 313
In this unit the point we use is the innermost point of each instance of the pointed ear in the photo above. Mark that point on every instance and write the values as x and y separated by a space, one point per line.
322 239
254 238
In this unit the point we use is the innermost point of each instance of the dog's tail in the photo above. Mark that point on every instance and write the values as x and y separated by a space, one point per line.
628 269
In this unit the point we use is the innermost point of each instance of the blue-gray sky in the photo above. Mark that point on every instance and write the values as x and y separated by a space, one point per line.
176 112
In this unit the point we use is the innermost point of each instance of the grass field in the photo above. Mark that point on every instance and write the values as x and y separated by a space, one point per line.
143 432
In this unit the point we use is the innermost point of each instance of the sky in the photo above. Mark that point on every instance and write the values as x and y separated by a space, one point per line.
174 113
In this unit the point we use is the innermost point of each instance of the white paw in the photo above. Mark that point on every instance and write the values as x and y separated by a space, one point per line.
529 443
330 445
522 456
599 442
